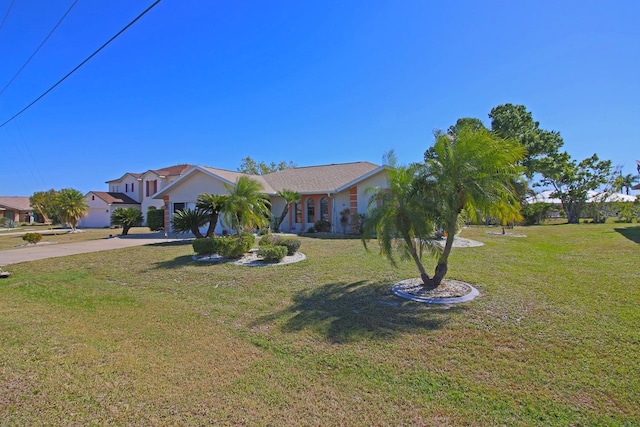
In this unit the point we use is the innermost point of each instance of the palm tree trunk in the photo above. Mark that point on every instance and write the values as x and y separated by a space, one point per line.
213 221
285 211
426 280
196 232
442 267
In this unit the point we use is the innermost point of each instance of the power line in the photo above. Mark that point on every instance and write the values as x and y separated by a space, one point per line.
6 15
82 63
36 51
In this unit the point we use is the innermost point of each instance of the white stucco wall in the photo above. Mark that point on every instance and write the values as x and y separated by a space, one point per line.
378 180
188 190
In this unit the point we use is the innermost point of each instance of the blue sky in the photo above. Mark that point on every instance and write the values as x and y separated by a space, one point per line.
313 82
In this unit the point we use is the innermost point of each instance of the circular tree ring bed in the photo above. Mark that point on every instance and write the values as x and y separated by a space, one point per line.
449 291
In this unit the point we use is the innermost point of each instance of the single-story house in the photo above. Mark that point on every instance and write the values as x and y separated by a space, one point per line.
17 209
325 191
101 206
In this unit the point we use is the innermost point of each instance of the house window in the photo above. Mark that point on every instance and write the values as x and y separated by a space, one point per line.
126 188
155 186
178 207
298 212
146 183
311 211
324 209
132 187
93 197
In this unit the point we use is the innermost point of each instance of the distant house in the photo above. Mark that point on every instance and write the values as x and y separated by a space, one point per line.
17 209
101 206
325 191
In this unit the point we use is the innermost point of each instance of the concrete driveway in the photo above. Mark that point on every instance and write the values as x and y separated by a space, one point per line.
33 253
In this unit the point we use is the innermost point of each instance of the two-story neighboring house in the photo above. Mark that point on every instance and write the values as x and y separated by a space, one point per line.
130 190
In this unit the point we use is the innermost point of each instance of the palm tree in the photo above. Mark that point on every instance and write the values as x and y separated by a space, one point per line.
471 170
289 197
627 181
127 218
398 214
246 206
213 205
71 206
190 220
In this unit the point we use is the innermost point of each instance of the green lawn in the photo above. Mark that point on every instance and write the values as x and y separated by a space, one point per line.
146 336
10 240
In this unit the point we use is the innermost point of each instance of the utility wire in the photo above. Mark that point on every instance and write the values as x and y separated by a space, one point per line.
82 63
6 15
36 51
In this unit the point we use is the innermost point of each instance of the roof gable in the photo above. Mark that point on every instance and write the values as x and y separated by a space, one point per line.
223 175
175 170
114 198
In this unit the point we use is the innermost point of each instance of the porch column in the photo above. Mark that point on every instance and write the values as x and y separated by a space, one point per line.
167 214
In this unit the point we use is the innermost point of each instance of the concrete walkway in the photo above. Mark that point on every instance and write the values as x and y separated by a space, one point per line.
33 253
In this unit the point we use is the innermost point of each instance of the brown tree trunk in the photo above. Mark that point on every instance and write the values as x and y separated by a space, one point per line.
426 280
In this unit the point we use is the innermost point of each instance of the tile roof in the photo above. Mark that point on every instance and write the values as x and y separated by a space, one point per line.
232 176
16 202
168 171
172 170
115 198
318 179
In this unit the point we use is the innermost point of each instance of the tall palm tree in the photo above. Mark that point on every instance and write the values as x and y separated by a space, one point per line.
213 205
290 197
71 206
246 206
398 214
471 170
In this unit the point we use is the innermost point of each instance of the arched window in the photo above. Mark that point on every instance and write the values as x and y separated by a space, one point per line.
311 211
324 209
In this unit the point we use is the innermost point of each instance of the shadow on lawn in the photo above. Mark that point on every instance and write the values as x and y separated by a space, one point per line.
631 233
347 312
179 262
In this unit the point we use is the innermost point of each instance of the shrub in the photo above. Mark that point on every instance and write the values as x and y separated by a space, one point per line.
534 213
292 245
155 219
7 222
234 246
269 239
322 226
311 229
272 253
357 223
32 238
206 246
